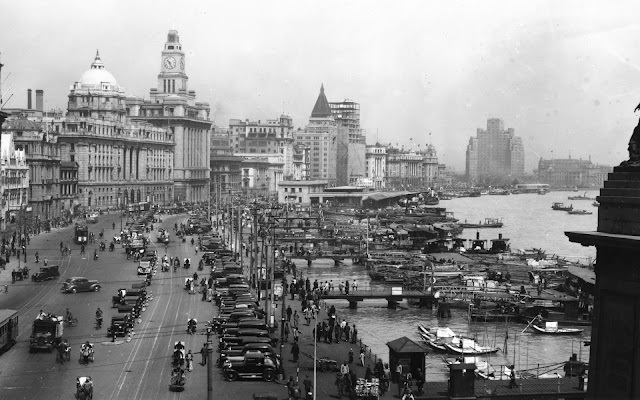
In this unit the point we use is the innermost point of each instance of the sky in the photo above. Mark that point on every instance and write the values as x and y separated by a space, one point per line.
565 75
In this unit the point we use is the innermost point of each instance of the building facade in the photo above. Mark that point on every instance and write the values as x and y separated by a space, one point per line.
568 172
404 170
43 157
299 192
495 152
260 173
14 181
321 135
301 168
119 161
174 108
273 136
225 173
376 165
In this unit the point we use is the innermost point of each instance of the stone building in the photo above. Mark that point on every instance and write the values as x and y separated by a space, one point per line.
260 173
43 157
174 108
119 161
273 136
300 163
495 152
14 181
570 172
321 135
376 165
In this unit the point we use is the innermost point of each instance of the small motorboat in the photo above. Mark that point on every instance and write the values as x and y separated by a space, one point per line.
579 212
551 328
469 347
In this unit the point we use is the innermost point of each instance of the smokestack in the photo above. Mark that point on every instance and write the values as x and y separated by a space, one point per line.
500 236
39 96
477 235
28 99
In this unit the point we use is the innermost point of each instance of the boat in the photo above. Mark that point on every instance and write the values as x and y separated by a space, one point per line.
470 347
579 212
561 207
583 197
595 204
444 340
488 223
542 192
551 328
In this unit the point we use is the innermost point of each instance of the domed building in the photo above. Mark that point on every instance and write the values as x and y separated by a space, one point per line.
119 161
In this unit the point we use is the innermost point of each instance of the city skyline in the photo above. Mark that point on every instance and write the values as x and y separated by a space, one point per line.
560 75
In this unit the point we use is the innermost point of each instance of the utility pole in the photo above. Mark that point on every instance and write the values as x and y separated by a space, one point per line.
272 266
209 366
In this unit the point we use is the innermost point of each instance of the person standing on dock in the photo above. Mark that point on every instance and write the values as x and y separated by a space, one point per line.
296 319
289 312
346 287
512 377
362 356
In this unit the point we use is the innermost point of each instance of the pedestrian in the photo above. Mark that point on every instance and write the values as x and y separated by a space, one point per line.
419 377
340 385
340 287
354 334
295 332
296 319
368 373
362 356
286 331
401 380
81 249
204 292
295 351
210 294
350 355
338 333
354 286
289 312
189 359
346 287
386 378
347 331
512 377
203 353
308 386
45 261
344 368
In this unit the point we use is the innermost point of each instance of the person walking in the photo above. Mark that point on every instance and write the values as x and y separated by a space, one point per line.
296 319
189 359
362 356
296 333
295 351
344 368
203 353
350 355
286 331
308 386
289 312
419 377
354 335
340 385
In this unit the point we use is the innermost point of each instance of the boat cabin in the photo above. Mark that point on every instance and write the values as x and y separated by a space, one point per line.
500 245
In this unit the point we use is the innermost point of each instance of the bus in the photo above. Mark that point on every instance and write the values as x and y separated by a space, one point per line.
138 207
8 328
82 234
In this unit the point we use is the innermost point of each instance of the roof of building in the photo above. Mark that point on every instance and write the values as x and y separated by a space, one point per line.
68 164
322 108
405 345
97 75
302 183
21 124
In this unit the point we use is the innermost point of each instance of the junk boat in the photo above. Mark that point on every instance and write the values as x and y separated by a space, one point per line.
561 207
488 223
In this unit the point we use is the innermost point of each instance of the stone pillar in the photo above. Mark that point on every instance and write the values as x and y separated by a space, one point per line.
614 361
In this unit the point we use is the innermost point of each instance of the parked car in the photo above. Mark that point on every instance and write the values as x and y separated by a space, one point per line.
80 284
46 273
263 348
251 365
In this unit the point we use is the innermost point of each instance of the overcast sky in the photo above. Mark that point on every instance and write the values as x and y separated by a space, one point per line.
564 74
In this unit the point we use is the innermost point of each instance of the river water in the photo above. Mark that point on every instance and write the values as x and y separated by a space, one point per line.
529 222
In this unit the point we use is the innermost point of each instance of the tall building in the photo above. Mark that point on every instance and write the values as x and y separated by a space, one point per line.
273 136
14 180
119 161
43 157
376 165
346 114
173 107
351 146
495 152
570 172
321 135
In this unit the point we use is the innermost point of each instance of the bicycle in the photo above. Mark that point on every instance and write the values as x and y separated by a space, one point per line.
73 321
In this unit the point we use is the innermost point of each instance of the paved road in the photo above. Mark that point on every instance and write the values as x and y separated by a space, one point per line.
139 369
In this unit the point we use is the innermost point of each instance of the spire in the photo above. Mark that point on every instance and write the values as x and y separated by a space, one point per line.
321 109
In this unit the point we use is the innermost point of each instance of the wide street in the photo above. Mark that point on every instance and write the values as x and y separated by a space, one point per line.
139 369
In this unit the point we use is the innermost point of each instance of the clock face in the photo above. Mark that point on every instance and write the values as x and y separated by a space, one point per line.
182 63
170 62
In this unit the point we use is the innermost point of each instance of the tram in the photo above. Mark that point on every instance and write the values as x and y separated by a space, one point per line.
8 328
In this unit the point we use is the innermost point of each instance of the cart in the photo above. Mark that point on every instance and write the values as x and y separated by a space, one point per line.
84 390
368 389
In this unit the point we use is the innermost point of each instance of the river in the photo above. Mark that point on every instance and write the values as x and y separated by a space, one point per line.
529 222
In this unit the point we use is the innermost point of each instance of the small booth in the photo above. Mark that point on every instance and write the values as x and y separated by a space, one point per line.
408 353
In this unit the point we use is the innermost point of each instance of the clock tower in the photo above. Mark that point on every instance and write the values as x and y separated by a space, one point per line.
172 77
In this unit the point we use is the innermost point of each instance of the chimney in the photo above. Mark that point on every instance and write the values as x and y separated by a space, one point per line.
28 99
477 235
39 95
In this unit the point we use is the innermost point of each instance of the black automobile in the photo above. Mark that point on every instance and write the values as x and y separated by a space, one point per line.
240 351
250 365
46 273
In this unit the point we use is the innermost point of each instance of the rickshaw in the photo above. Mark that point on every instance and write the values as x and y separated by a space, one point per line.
86 353
84 388
178 355
178 379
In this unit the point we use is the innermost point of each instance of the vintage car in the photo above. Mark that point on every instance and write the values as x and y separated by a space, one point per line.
253 364
80 284
144 267
46 273
120 326
263 348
